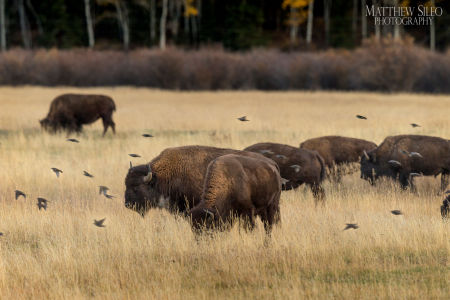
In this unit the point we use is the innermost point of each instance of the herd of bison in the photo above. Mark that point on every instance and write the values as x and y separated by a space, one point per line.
212 186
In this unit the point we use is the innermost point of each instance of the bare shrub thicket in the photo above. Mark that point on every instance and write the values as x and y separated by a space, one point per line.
376 66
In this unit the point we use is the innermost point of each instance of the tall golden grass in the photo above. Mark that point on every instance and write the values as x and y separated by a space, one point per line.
59 253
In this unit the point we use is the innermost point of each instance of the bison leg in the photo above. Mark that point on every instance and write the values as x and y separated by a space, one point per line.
444 180
318 193
107 121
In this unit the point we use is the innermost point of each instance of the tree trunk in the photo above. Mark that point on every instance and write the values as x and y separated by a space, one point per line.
24 25
377 26
363 20
432 30
354 20
186 19
396 27
36 17
309 25
326 15
162 26
90 28
2 26
122 16
152 21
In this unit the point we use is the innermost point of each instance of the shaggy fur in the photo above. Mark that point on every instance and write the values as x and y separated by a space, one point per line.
435 160
239 186
71 111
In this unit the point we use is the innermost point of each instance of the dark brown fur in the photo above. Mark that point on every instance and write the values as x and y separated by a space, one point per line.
312 166
177 178
338 151
435 161
242 186
71 111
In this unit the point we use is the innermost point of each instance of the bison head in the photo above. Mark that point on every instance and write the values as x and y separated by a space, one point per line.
369 167
140 193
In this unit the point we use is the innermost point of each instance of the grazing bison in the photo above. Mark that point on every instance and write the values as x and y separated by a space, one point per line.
297 166
403 157
237 185
70 111
174 178
337 151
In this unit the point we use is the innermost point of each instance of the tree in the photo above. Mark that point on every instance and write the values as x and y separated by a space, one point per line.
24 25
297 15
326 16
2 26
90 27
309 24
377 25
162 26
363 19
354 20
122 18
150 7
432 3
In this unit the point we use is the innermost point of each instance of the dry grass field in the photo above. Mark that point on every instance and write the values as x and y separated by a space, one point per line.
60 254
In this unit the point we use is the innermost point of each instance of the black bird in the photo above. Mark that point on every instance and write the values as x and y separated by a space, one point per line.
414 125
243 119
147 135
57 171
108 196
99 223
20 193
396 212
102 189
42 203
87 174
134 155
351 226
73 140
361 117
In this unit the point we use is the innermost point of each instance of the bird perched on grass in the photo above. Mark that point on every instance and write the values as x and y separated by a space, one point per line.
396 212
243 119
57 171
134 155
73 140
351 226
414 125
20 193
147 135
99 223
42 203
103 189
87 174
361 117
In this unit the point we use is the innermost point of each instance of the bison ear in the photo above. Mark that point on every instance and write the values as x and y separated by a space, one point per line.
147 178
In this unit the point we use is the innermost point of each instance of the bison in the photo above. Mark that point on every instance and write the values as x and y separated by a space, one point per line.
297 166
239 186
70 111
174 179
403 157
337 151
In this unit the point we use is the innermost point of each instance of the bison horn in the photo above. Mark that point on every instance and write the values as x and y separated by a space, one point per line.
149 176
366 155
131 165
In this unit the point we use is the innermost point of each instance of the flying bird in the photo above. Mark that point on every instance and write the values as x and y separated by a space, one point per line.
57 171
395 163
134 155
351 226
147 135
415 175
87 174
266 151
42 203
396 212
281 156
102 189
411 154
108 196
73 140
296 168
414 125
99 223
361 117
243 119
20 193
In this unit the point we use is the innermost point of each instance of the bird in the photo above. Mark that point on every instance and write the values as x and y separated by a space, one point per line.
57 171
134 155
281 156
265 151
73 140
20 193
147 135
361 117
87 174
103 189
1 233
108 196
351 226
243 119
396 212
42 203
415 175
414 125
411 154
99 223
296 168
395 163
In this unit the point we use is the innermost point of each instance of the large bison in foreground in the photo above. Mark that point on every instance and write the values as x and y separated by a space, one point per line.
71 111
297 166
174 179
239 186
337 151
403 157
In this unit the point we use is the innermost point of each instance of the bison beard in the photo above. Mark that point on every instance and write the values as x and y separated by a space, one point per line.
238 186
71 111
